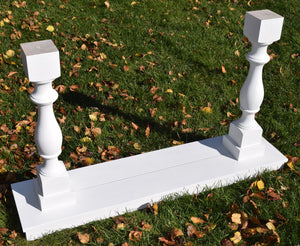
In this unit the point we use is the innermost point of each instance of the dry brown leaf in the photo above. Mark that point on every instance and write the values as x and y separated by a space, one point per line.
145 226
166 241
135 126
76 129
223 69
176 232
84 238
147 131
135 236
197 220
96 131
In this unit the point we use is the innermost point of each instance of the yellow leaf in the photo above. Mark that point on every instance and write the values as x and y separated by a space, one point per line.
270 226
107 4
169 91
155 208
10 53
260 184
93 116
86 139
236 238
103 56
180 75
1 23
3 169
137 146
207 110
236 218
133 3
175 142
84 238
89 161
50 28
83 47
121 226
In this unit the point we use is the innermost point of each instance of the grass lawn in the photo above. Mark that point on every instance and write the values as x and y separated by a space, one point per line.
144 75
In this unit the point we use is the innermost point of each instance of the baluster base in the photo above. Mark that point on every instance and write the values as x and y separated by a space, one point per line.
113 188
53 192
244 143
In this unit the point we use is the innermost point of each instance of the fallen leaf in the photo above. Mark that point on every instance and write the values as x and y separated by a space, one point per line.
93 116
223 69
50 28
13 234
96 131
260 185
226 242
207 110
166 241
107 4
84 238
236 238
135 236
126 68
176 232
147 131
146 227
237 53
197 220
270 226
135 126
76 129
137 146
10 53
169 91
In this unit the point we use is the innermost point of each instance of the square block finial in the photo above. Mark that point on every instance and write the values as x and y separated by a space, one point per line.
263 26
40 60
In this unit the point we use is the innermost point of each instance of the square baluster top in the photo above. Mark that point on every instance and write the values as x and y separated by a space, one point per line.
263 26
40 60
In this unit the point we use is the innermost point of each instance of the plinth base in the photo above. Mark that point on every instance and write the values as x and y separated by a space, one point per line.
115 187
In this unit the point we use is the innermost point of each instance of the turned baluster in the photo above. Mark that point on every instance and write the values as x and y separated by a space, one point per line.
262 28
42 65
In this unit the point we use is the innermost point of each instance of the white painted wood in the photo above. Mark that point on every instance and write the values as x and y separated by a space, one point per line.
115 187
59 199
42 65
262 27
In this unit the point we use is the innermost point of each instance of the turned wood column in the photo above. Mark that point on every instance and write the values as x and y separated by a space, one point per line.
42 65
262 28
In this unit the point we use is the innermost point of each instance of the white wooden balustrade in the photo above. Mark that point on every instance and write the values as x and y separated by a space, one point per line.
59 199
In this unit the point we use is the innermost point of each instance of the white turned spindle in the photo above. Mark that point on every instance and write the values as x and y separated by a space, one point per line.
42 65
262 28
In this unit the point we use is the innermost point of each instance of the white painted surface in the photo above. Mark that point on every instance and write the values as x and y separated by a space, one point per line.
41 65
114 187
262 27
58 199
40 60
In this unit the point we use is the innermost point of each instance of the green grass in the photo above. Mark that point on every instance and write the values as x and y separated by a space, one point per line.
178 45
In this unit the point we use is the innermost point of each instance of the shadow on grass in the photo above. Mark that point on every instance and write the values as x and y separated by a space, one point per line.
77 98
10 214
